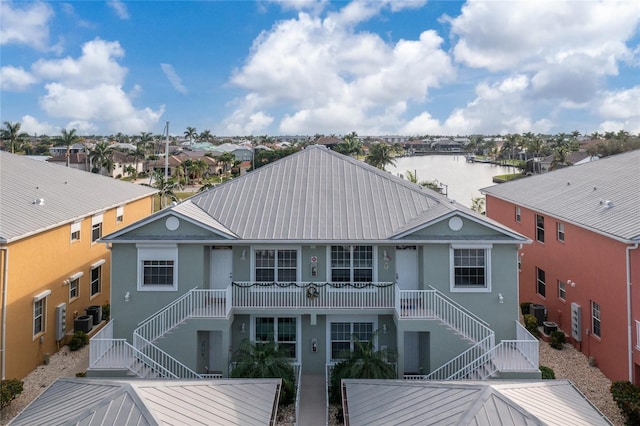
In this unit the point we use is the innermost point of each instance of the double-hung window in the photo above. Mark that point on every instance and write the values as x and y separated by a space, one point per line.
96 228
352 264
74 286
96 277
562 290
595 318
75 231
471 268
518 214
560 228
281 330
540 228
344 336
157 268
541 283
119 214
40 313
276 265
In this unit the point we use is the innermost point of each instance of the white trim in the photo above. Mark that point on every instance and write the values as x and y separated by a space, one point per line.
76 276
96 219
38 297
487 268
120 213
157 252
98 263
75 226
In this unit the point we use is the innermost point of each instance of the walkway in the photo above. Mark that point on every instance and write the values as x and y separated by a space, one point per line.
313 405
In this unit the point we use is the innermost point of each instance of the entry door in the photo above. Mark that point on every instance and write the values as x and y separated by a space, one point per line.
221 268
411 353
407 267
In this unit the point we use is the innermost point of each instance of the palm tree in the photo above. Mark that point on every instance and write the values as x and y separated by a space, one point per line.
164 186
13 135
265 360
68 138
380 155
226 159
191 133
197 168
141 149
101 158
206 135
350 145
560 154
478 205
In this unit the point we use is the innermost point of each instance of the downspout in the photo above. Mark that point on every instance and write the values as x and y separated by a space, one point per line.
629 326
3 342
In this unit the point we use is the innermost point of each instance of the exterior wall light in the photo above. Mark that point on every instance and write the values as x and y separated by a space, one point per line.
500 298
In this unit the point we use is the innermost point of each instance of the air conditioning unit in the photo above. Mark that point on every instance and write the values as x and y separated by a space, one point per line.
576 321
61 321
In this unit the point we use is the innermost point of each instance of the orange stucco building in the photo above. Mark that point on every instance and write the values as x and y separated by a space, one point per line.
583 266
52 265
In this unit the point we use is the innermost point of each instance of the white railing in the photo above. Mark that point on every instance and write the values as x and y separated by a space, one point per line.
464 364
175 368
307 295
297 369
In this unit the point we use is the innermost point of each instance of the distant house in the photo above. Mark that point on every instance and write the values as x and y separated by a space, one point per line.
77 160
581 269
52 268
573 158
62 149
329 141
313 251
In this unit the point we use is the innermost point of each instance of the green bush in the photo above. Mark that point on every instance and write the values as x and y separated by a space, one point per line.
627 396
106 312
531 324
79 340
547 373
10 389
524 307
557 339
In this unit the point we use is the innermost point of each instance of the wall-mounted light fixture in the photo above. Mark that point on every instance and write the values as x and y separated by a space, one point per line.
126 297
386 255
571 283
384 328
242 328
500 298
244 254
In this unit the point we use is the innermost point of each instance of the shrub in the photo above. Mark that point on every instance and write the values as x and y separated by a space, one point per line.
79 340
547 373
531 324
557 339
10 389
106 312
627 396
524 307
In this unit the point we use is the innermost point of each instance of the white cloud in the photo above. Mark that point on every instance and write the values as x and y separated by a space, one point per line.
25 23
32 126
173 78
620 110
120 8
15 79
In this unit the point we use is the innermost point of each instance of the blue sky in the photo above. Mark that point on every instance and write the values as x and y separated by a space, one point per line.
321 67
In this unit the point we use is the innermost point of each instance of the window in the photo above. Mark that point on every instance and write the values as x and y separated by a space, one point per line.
344 334
157 268
74 285
540 228
282 331
39 312
276 265
471 268
96 228
560 227
352 264
75 231
96 278
595 318
120 214
562 290
518 215
541 285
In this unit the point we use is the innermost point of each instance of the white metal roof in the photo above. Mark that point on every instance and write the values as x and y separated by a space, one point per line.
492 402
85 401
37 195
602 195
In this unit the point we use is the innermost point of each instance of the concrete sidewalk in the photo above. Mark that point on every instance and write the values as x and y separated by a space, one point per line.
313 401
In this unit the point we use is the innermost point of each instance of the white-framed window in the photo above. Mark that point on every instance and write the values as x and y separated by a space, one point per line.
40 313
281 330
75 231
276 265
344 334
96 278
119 214
518 214
74 286
541 282
595 319
96 228
470 268
540 228
157 267
562 290
560 229
351 264
637 335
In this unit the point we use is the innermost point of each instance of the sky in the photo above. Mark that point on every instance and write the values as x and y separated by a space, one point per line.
240 68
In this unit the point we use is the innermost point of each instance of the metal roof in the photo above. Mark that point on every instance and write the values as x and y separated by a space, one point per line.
67 194
84 401
493 402
602 195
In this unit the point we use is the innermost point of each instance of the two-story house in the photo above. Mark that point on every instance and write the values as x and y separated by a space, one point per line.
314 251
584 261
52 267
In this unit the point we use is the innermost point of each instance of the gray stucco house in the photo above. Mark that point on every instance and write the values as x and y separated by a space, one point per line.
312 251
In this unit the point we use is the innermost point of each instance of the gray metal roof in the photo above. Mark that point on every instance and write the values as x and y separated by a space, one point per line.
84 401
68 194
603 195
494 402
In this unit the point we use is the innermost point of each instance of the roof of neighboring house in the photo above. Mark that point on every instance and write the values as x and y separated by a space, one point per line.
74 158
573 157
546 402
320 195
154 402
328 140
602 195
68 194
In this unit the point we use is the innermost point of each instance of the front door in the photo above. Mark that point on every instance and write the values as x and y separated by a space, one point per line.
407 267
221 267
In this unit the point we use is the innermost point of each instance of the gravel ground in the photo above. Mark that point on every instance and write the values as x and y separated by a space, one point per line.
567 364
